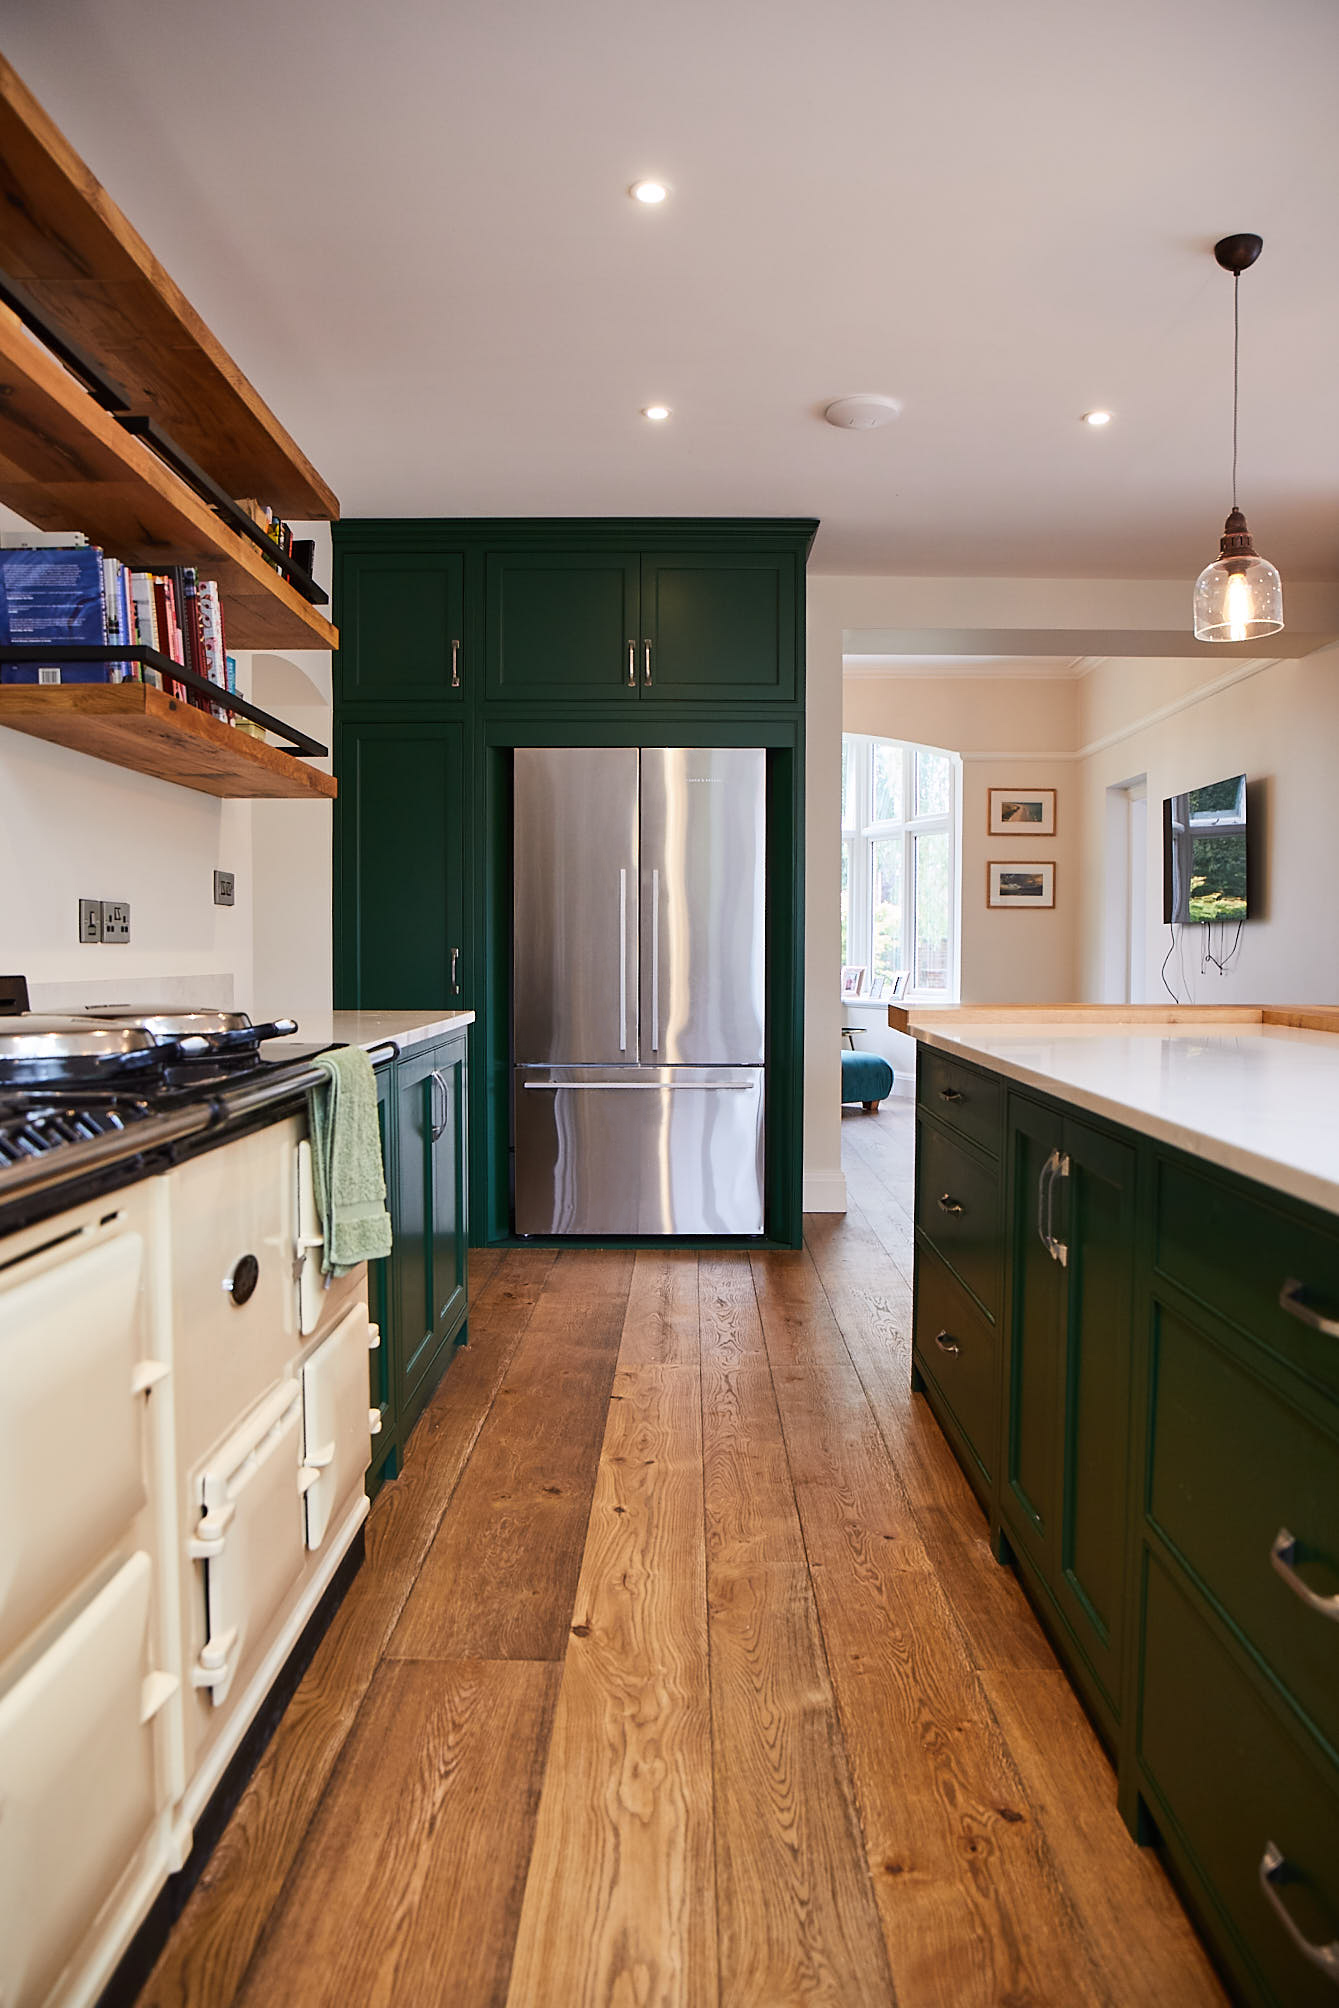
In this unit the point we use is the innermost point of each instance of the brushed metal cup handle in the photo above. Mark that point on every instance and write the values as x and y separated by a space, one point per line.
1292 1299
947 1344
1275 1870
950 1094
632 665
947 1204
455 665
1283 1560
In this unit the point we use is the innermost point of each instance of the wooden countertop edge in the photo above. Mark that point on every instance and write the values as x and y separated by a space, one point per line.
1301 1017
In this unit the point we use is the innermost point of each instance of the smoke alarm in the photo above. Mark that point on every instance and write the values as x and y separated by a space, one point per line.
862 412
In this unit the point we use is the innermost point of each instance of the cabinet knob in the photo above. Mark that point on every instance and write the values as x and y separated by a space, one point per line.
241 1285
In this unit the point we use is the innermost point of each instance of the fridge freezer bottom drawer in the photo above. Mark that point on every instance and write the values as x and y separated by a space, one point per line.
652 1151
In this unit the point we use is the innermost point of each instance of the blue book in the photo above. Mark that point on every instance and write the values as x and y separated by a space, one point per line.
54 595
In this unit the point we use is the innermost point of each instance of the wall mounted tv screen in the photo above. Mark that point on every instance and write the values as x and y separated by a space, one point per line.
1204 866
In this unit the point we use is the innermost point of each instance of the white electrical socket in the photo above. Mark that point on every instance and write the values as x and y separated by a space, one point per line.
115 920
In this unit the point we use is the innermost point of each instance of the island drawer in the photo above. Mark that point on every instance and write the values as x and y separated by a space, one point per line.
960 1096
1273 1272
1253 1807
1245 1487
957 1349
958 1209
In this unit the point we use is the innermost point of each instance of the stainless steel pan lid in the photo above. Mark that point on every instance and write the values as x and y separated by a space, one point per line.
168 1022
35 1038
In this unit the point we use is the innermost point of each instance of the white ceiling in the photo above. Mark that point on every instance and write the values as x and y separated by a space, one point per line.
409 223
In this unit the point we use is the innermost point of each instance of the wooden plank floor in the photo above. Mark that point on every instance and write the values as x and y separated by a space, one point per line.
680 1675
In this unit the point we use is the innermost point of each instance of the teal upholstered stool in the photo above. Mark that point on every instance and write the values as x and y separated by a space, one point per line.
865 1078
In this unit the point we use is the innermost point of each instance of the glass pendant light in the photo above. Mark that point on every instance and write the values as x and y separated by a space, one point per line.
1239 597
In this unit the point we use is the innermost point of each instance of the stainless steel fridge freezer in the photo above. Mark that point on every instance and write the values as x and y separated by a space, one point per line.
639 1007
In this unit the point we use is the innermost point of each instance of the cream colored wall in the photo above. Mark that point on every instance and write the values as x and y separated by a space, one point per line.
967 714
1278 724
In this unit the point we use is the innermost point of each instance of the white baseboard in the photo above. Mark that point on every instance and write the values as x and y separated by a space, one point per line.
825 1192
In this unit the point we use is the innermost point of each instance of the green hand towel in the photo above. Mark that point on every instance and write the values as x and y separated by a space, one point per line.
346 1162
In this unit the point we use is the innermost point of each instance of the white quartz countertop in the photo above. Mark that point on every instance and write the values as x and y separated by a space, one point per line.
373 1028
1261 1100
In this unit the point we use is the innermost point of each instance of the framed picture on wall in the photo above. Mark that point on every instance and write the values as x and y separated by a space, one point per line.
1014 882
1021 812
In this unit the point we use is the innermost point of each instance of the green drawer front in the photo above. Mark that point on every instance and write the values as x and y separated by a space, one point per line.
1236 1252
970 1102
958 1207
1232 1465
957 1350
1234 1783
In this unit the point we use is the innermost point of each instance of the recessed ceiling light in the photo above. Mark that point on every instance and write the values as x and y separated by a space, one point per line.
655 412
1097 417
649 192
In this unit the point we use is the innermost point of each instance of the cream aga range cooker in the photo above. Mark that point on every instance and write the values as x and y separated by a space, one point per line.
183 1440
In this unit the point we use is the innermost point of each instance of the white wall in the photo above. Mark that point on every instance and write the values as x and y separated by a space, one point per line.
1278 724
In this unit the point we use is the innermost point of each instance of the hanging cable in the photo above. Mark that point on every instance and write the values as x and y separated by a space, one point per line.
1165 960
1236 353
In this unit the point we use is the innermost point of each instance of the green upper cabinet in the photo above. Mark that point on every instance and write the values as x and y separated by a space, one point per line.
403 632
562 626
718 626
400 889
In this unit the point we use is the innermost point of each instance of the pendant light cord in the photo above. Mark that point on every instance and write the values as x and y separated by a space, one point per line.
1236 350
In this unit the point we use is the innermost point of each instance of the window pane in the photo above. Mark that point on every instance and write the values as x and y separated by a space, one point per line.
887 803
933 783
932 910
846 902
886 889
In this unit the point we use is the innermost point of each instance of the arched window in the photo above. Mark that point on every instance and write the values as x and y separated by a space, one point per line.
899 867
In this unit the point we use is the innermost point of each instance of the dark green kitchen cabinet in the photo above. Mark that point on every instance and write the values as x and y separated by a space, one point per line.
718 625
401 895
1067 1430
402 624
419 1295
562 626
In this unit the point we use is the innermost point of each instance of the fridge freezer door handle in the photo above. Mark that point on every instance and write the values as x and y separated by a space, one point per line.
655 961
623 959
637 1087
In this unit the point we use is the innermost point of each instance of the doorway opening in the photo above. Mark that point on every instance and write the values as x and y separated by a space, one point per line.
1126 910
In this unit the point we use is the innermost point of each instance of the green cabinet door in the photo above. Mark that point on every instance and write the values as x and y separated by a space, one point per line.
400 880
1095 1223
562 627
1070 1353
417 1109
448 1209
718 626
402 627
1036 1366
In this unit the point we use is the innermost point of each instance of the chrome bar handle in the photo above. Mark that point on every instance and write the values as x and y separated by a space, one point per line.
1292 1299
1274 1871
1059 1248
646 664
433 1124
1283 1560
455 972
1044 1177
946 1344
655 960
455 665
632 665
623 959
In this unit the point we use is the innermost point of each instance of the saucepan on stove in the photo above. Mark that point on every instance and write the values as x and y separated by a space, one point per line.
99 1045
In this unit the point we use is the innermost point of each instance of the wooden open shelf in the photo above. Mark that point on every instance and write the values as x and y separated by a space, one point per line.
66 242
66 465
134 725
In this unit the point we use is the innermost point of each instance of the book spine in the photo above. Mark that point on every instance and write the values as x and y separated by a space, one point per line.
211 629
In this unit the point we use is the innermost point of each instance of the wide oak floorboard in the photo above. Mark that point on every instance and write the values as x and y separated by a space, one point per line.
680 1675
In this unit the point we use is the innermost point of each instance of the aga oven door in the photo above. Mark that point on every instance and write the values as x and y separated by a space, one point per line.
336 1421
81 1780
249 1538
